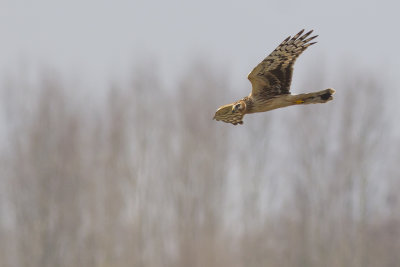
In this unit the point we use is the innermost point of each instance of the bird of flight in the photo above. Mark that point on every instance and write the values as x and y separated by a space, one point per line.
270 82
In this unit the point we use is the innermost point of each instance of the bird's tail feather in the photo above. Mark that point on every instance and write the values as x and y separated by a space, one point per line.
315 97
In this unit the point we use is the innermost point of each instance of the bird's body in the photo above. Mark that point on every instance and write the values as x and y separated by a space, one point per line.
271 81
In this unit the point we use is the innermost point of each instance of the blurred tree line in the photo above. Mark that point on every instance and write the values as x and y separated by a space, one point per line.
146 178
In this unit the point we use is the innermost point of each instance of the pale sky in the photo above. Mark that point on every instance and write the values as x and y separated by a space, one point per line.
98 40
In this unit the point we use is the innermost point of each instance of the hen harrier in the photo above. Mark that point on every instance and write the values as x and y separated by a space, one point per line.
270 82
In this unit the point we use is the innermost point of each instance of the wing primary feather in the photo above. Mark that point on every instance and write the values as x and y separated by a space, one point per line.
305 35
311 38
284 41
277 68
307 45
298 34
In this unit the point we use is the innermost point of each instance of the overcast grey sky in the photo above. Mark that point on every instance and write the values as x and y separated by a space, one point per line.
96 40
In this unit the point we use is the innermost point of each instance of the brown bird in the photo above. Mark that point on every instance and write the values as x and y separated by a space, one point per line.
270 82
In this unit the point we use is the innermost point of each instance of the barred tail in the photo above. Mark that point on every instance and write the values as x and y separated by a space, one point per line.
315 97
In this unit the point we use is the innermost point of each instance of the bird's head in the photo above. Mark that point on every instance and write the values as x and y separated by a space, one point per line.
232 113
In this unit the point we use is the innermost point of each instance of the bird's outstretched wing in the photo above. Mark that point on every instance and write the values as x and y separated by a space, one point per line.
227 114
274 74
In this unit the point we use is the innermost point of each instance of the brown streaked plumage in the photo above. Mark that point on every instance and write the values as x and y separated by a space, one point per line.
271 81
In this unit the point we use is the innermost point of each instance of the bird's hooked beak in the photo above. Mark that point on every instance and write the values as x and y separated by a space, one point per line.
239 107
236 107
